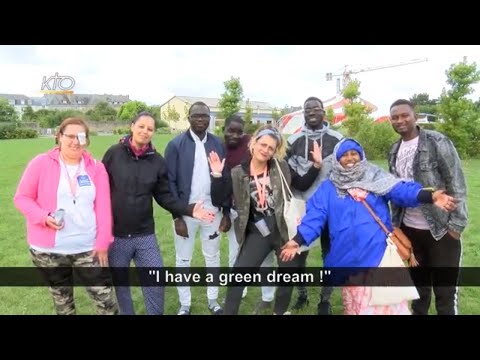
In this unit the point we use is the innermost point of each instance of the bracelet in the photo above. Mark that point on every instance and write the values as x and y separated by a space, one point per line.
216 174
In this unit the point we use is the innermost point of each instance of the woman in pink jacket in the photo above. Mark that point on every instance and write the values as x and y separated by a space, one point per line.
65 197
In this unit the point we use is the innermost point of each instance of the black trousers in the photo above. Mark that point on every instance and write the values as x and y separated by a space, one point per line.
326 291
252 253
431 254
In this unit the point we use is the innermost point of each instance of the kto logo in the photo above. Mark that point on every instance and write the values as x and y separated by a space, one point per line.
58 84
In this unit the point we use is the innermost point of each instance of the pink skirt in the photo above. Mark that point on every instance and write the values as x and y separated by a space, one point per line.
356 302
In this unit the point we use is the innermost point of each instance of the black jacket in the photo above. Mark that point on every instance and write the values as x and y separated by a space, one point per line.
133 183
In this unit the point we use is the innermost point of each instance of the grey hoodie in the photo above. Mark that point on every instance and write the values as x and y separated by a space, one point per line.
299 158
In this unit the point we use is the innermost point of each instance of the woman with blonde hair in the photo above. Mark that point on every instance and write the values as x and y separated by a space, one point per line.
260 227
65 197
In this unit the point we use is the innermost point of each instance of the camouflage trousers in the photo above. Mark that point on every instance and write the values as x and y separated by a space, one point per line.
58 270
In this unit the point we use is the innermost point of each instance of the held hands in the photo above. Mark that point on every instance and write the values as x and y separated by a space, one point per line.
289 250
180 227
202 214
51 223
225 223
216 165
444 201
316 155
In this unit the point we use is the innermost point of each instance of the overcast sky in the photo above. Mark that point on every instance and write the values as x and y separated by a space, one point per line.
280 75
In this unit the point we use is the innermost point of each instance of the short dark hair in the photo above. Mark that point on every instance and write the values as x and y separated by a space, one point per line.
201 103
234 118
313 98
403 102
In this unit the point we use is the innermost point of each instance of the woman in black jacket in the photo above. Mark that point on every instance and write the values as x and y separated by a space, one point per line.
137 175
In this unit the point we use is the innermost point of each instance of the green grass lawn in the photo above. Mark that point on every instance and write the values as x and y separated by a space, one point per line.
14 156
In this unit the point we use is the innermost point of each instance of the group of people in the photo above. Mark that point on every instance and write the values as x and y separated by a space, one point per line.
234 186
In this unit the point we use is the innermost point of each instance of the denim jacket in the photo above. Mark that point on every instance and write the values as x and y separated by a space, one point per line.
436 164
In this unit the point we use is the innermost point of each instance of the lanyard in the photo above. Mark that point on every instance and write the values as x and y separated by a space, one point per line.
72 182
261 189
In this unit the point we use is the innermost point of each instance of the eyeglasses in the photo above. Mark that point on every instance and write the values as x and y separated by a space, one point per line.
81 137
200 116
316 109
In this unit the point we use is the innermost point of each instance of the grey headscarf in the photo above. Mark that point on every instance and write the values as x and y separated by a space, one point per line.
363 175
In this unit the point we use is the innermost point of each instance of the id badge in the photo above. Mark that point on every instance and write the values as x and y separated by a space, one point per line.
262 227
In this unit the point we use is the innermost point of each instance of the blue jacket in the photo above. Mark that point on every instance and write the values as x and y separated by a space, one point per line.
180 156
356 238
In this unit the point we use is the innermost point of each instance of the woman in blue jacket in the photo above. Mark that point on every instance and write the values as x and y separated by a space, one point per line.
356 238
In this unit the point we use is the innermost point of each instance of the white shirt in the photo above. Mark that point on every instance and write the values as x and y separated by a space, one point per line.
200 189
406 153
80 230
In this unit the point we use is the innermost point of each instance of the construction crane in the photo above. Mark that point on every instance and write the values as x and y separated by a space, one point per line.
346 74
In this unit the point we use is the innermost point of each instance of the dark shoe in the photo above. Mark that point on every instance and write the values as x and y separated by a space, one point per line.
324 308
302 301
216 310
262 306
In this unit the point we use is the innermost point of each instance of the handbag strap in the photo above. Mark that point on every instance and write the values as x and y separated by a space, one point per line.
285 186
377 219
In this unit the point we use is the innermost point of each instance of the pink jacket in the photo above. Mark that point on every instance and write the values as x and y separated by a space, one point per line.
36 197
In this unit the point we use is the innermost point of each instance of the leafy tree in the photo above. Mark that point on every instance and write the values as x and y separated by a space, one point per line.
276 114
230 100
356 114
330 115
248 113
102 112
129 110
423 104
29 114
461 118
286 110
7 112
170 114
155 110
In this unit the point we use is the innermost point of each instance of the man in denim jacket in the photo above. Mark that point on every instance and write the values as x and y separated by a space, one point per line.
431 159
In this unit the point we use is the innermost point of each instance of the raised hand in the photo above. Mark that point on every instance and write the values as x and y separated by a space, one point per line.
316 155
216 165
200 213
289 250
444 201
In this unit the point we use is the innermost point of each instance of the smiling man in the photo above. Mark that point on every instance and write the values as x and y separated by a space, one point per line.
189 179
309 157
431 159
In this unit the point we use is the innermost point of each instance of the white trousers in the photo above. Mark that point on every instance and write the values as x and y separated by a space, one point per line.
210 248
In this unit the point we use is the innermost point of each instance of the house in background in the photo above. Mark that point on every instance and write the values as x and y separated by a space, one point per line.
18 101
262 111
81 102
